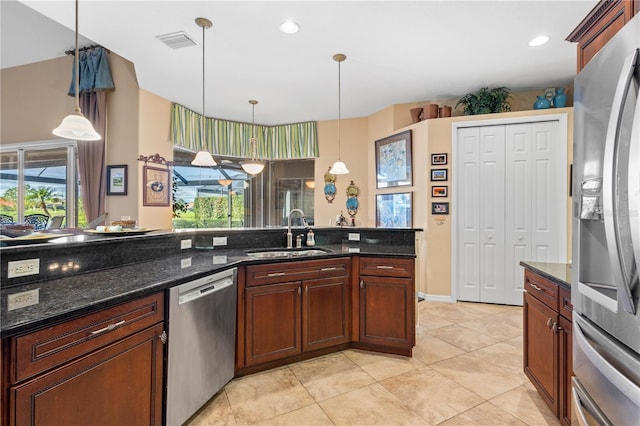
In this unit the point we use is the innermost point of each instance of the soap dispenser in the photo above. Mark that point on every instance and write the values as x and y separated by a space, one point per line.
311 238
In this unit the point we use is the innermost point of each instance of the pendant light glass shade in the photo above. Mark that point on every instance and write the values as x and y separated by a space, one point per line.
203 158
253 166
75 125
339 168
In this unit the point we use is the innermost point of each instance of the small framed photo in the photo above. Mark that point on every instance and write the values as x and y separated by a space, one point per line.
156 187
438 159
117 180
438 174
439 208
439 191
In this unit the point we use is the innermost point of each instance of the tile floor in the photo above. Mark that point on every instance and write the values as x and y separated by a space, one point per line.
466 370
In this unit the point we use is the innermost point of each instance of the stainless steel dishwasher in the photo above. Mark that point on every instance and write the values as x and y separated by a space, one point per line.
202 338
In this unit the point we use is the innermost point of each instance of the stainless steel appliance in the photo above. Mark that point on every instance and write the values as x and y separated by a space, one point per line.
202 338
605 289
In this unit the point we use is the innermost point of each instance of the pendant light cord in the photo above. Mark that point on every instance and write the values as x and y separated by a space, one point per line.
204 116
339 114
253 131
77 66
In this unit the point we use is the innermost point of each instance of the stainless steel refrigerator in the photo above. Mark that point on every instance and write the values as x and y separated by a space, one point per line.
605 290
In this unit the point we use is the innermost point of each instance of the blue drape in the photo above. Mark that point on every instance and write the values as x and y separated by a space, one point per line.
95 74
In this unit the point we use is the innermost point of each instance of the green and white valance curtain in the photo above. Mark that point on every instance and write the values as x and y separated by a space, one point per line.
233 139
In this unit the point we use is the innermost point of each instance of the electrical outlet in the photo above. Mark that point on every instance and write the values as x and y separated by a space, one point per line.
185 244
23 299
354 236
22 268
219 241
219 260
185 263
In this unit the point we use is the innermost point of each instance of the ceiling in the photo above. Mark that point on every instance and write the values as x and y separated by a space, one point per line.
397 51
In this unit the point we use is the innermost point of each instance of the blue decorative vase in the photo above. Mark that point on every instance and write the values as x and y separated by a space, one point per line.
560 99
542 103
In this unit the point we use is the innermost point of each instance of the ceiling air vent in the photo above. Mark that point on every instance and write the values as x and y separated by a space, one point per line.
177 40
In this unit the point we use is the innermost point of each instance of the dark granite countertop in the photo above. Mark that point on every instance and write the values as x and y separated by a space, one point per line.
559 273
64 298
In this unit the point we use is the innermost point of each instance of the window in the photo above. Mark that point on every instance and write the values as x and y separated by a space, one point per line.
40 178
224 196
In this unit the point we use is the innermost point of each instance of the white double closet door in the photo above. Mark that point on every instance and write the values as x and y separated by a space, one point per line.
510 201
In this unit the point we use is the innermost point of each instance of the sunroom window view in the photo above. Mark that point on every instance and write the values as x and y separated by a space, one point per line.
224 196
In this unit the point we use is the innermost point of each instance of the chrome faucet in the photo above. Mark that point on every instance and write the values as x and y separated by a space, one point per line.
289 234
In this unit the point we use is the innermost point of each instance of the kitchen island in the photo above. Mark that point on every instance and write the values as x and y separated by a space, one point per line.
90 290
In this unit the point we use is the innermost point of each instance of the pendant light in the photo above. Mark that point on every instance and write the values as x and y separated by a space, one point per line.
253 166
203 158
76 125
339 168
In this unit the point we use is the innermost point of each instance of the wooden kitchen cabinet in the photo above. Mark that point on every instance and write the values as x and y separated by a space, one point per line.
387 304
101 368
294 307
600 25
548 346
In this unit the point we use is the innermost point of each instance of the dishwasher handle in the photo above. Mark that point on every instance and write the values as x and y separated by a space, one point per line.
204 290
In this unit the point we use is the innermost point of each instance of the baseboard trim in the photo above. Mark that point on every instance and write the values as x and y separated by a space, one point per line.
436 297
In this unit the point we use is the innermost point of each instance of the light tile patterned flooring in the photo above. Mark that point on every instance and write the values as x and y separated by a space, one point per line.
466 369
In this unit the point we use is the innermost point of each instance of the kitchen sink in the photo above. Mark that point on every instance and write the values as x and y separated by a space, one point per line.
286 253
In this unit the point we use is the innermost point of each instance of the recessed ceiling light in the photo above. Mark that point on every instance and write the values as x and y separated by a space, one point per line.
539 41
289 27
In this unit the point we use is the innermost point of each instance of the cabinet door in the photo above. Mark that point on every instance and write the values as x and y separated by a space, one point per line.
273 322
386 314
120 384
566 369
325 314
541 349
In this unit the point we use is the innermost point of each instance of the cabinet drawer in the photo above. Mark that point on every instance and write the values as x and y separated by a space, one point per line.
565 307
42 350
387 267
297 271
542 289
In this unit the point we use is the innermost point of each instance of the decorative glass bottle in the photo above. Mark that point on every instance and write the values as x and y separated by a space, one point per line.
560 99
542 103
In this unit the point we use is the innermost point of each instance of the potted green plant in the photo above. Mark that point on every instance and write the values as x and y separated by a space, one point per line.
486 101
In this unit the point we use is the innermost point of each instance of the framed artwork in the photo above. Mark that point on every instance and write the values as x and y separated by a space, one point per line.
156 190
393 161
439 208
439 191
117 180
394 210
438 174
438 159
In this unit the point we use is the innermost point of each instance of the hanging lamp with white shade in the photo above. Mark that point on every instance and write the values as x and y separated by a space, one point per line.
253 166
339 168
75 125
203 158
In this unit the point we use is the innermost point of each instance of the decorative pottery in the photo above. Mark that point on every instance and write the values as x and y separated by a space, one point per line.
415 114
431 111
560 99
329 186
444 111
542 103
352 200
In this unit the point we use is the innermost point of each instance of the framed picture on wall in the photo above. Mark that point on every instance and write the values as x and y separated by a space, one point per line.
393 161
439 191
156 187
439 208
394 210
438 174
438 159
117 180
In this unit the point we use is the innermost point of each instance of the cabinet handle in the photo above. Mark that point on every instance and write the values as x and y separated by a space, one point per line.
384 267
550 323
299 291
535 286
276 274
361 284
108 328
306 289
331 268
556 328
163 337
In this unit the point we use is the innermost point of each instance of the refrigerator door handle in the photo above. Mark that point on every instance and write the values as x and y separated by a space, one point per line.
584 406
610 186
616 377
634 182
